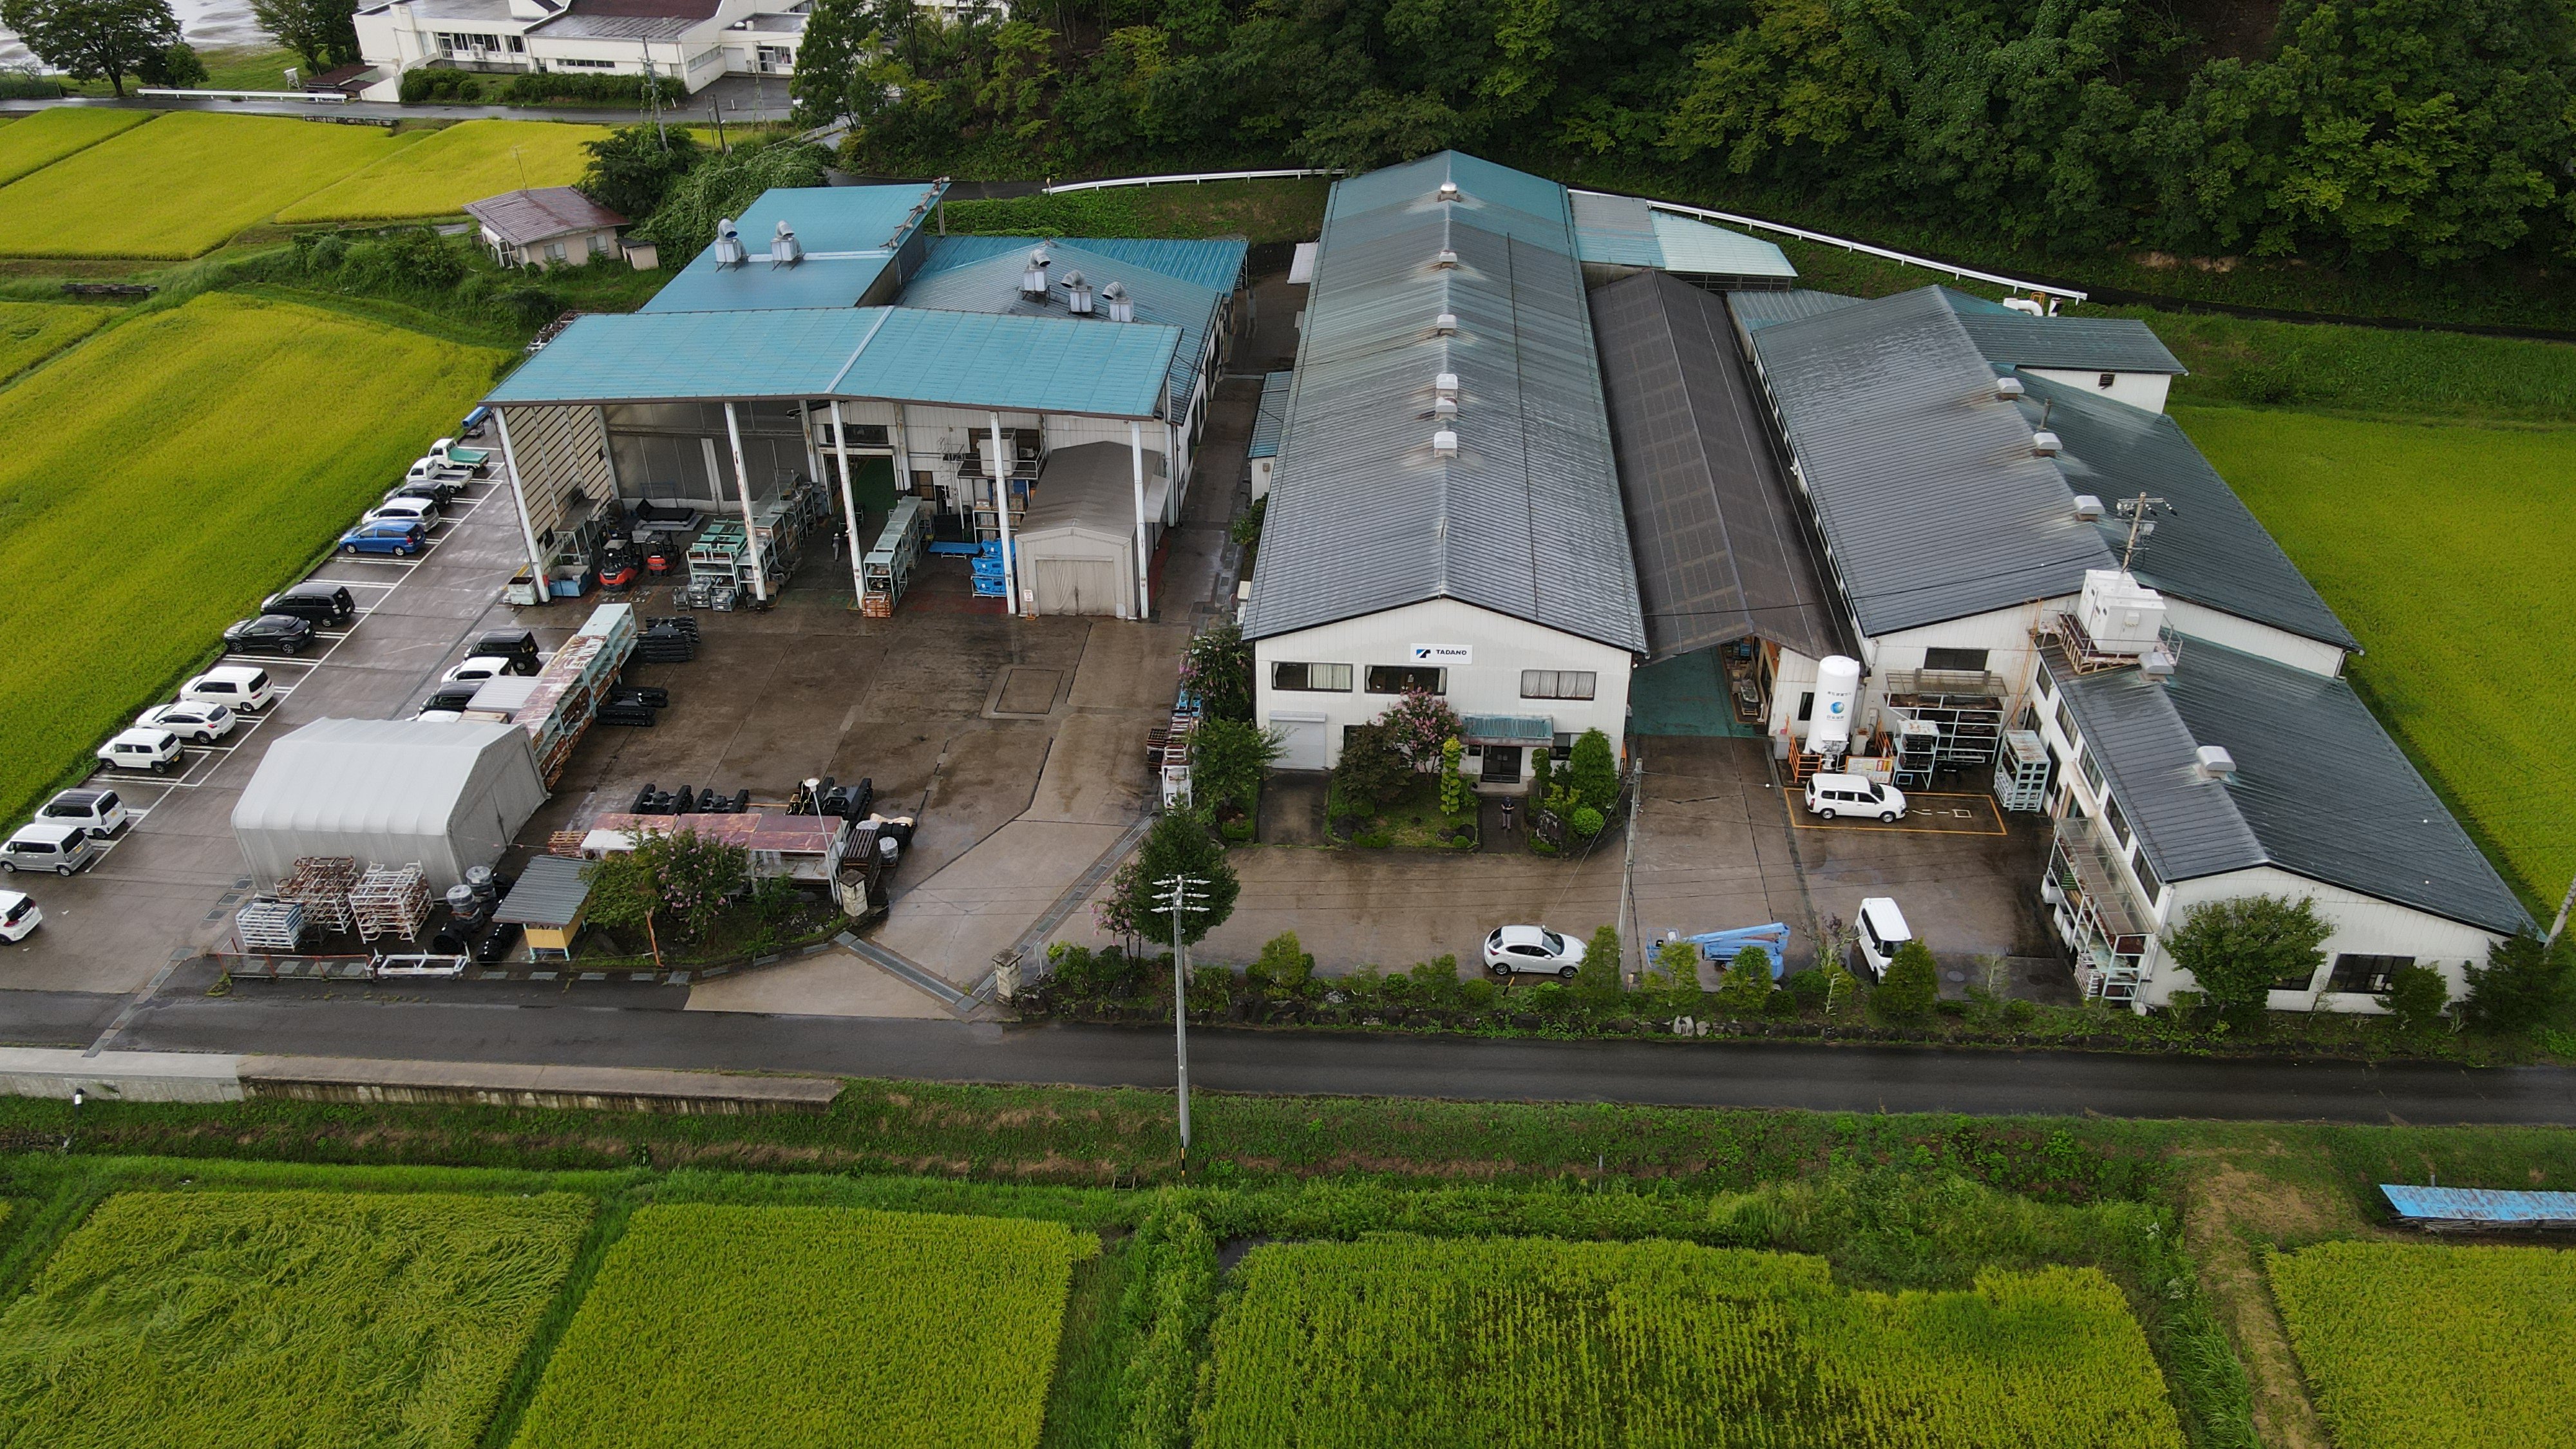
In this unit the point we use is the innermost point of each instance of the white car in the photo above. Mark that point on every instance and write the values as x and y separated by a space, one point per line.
436 467
1880 932
61 849
244 688
18 915
409 508
481 667
1832 795
141 749
1521 950
97 812
190 719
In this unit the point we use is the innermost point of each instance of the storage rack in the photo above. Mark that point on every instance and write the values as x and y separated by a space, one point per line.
2021 772
390 901
273 928
886 571
320 884
1918 744
1971 725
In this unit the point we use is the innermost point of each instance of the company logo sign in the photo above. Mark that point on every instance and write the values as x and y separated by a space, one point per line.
1444 654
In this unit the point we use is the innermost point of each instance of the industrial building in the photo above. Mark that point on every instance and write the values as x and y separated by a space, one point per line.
832 347
1569 464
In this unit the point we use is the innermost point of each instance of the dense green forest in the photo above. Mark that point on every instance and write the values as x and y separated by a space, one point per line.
2369 131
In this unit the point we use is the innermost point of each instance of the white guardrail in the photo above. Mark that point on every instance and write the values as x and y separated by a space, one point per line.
328 98
1801 233
1190 177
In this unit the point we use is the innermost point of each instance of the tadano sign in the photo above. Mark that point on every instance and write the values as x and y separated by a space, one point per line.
1444 654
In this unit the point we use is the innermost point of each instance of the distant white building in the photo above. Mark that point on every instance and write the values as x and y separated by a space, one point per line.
690 41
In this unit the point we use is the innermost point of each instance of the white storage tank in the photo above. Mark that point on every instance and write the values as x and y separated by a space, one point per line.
2119 614
1829 725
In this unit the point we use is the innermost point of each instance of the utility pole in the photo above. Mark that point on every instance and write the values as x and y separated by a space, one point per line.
1182 893
2138 510
653 96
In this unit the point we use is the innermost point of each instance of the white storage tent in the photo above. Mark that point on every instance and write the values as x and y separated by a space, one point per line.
1077 543
389 792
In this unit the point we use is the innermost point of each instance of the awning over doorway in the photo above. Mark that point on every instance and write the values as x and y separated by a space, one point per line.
1506 729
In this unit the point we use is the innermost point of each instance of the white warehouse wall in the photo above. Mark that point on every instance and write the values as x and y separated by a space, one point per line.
2003 633
1500 648
2198 621
2360 925
2144 391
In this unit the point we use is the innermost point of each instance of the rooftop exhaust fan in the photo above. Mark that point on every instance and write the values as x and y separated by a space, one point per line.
2088 509
1445 385
784 249
2046 444
1444 258
1446 407
1077 294
2009 389
1122 308
1446 324
729 251
1448 191
1033 282
1444 443
2212 762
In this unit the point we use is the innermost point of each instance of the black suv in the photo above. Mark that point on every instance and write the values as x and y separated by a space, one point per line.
321 603
517 645
277 633
451 696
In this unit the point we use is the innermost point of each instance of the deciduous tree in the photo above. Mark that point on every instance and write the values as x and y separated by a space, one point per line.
1178 845
324 32
1913 983
94 39
2235 950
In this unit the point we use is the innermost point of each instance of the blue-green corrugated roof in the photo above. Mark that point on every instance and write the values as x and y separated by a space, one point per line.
1273 417
850 234
1628 231
963 359
1215 265
993 285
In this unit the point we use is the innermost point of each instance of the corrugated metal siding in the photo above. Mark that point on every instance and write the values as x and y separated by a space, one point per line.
559 449
2210 549
1526 519
1922 480
1693 246
2085 344
1754 311
1215 265
1273 417
1617 230
2329 794
1719 547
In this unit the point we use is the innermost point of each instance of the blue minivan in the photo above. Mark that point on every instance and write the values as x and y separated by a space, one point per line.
386 535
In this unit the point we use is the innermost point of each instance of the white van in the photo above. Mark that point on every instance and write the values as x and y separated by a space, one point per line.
98 812
246 688
141 749
1832 795
1880 931
61 849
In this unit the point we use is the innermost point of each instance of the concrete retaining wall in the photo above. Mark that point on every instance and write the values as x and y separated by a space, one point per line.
191 1077
120 1076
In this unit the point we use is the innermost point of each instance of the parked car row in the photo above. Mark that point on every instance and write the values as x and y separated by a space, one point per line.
496 654
62 838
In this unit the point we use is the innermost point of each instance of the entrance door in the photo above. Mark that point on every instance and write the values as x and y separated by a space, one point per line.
1075 585
1301 740
1502 765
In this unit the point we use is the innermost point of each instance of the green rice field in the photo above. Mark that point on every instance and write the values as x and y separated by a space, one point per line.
196 457
32 143
808 1326
1413 1341
315 1319
2433 1346
463 163
180 185
2444 547
30 332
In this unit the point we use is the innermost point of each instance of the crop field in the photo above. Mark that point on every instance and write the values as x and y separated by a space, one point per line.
2430 1346
35 142
1411 1341
463 163
796 1326
180 185
30 332
318 1319
2444 548
195 458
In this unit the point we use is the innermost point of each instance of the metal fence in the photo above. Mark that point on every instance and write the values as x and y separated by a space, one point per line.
1730 218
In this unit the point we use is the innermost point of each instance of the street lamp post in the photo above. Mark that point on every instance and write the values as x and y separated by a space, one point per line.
1182 893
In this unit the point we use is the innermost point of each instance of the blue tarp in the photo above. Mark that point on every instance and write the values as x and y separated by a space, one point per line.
2501 1208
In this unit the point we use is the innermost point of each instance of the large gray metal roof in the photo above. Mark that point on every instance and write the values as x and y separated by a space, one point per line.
1757 310
1922 479
1720 550
1526 519
2210 549
2078 344
2320 789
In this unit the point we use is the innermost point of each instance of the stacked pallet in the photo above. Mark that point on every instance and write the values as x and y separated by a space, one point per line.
273 928
390 901
321 884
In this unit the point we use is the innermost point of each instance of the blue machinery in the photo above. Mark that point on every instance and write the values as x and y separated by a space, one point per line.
1721 947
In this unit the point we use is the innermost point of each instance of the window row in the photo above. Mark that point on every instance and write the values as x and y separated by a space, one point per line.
1402 678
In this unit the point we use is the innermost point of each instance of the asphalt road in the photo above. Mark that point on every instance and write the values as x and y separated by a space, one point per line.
619 1026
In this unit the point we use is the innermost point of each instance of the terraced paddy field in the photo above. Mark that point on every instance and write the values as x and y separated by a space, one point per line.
180 185
462 163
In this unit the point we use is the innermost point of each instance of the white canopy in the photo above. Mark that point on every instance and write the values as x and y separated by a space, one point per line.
389 792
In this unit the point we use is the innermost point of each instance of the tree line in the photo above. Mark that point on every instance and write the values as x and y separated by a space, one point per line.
114 40
2340 130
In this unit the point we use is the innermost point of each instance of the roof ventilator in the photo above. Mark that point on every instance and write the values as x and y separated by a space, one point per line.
1033 282
1122 308
1448 191
1445 385
1444 443
2009 389
2088 509
1077 294
2046 444
1446 407
1444 258
1446 324
729 250
784 249
2212 762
